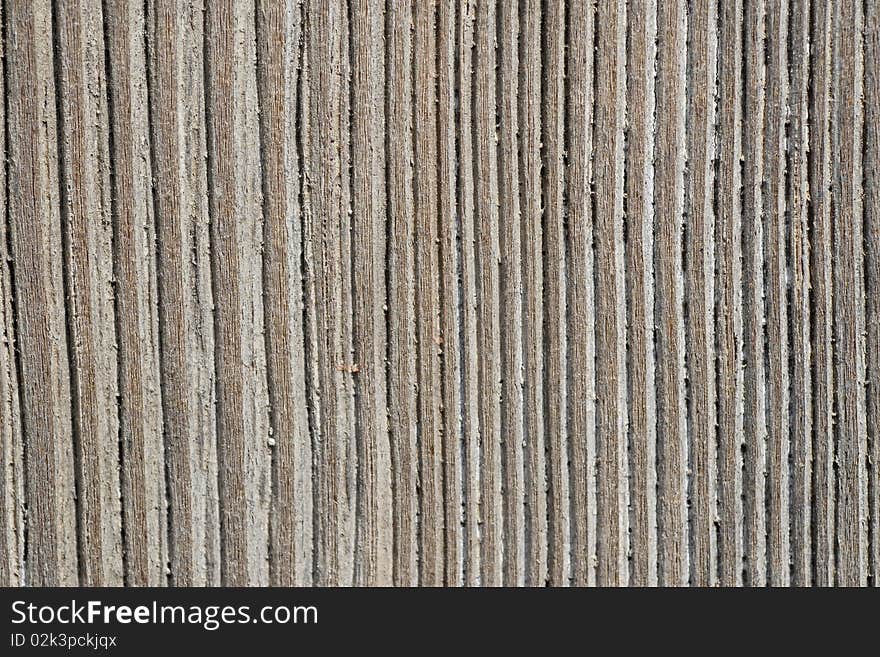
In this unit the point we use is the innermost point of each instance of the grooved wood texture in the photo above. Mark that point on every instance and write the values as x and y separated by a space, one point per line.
441 292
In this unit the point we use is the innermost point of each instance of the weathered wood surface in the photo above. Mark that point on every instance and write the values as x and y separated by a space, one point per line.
441 292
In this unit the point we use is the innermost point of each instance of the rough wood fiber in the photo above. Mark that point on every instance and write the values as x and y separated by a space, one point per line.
87 273
639 204
699 265
728 297
453 292
141 462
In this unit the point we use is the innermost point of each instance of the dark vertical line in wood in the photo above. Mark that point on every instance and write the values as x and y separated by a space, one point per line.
581 356
8 503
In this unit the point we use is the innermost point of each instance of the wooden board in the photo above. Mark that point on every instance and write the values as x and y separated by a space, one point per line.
453 292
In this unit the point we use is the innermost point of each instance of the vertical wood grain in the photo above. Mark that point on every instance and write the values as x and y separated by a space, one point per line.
454 292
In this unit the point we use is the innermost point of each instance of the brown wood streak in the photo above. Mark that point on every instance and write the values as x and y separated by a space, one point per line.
800 317
278 40
511 305
755 416
849 300
823 493
775 293
471 471
669 162
553 229
580 292
162 36
450 316
431 563
486 258
401 260
611 402
641 407
728 297
533 283
368 202
699 282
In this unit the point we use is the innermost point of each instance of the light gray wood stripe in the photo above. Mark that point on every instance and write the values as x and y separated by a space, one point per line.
184 294
236 240
279 40
199 299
